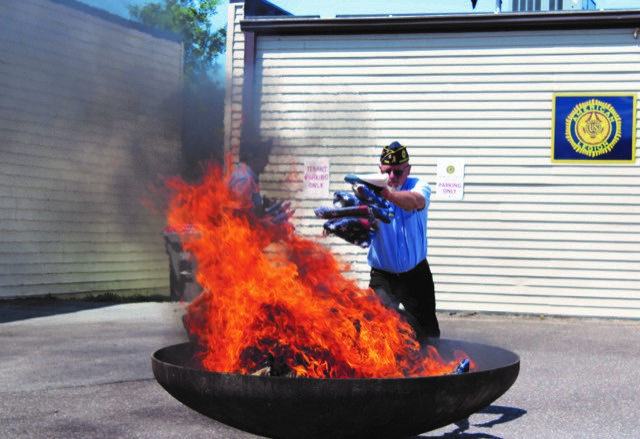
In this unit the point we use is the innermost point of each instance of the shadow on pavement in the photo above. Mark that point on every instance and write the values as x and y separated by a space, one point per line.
12 310
470 430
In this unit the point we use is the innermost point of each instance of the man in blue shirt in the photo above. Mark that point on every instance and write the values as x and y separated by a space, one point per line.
400 273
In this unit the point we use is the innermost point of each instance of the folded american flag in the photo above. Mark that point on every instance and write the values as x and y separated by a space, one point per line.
355 216
358 231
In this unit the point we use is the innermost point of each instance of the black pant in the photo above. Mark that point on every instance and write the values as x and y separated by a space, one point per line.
413 289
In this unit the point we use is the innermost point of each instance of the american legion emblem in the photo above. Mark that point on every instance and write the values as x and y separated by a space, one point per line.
594 128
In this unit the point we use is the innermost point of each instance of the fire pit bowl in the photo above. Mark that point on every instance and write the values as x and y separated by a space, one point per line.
285 407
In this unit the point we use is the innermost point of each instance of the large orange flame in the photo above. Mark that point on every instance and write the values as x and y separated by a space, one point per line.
270 294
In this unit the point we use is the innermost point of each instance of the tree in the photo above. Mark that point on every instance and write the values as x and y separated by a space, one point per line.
191 19
203 95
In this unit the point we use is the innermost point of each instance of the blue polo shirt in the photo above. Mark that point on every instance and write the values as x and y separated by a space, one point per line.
402 244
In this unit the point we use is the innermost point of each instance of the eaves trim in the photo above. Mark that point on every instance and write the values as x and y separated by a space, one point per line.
292 25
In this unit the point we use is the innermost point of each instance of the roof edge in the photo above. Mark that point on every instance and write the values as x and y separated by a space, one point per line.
292 25
263 8
116 19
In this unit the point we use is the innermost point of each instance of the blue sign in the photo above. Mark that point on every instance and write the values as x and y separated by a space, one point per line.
594 128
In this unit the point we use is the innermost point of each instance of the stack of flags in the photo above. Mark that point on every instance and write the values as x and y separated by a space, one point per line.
355 216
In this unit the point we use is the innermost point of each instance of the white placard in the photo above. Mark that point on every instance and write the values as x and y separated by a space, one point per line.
450 179
316 177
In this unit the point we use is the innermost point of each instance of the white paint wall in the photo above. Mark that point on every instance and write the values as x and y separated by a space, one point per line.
89 117
234 78
530 236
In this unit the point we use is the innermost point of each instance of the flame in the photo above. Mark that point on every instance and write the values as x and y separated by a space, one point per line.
273 297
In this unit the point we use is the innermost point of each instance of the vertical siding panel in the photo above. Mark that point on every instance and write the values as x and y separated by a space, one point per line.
89 117
234 78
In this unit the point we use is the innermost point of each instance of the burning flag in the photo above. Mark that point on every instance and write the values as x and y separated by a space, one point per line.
277 303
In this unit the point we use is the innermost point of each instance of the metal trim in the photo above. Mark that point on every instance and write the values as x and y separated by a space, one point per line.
288 25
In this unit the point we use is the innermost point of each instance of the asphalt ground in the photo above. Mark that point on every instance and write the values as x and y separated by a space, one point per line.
71 369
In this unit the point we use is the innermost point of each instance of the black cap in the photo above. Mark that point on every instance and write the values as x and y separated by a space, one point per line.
394 154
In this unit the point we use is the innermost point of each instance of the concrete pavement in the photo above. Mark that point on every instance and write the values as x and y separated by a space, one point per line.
85 373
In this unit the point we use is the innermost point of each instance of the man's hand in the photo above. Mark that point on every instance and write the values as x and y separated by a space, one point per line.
280 212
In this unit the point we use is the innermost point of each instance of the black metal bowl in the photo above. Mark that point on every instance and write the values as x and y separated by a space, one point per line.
284 407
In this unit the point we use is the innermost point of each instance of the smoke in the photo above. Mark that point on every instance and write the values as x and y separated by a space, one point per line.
202 124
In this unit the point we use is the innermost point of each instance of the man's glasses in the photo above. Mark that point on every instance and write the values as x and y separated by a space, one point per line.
396 172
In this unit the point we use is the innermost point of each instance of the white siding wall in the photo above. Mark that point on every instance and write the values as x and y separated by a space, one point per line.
89 117
234 78
530 236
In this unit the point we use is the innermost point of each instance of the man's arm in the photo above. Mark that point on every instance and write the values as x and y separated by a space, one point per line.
406 200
